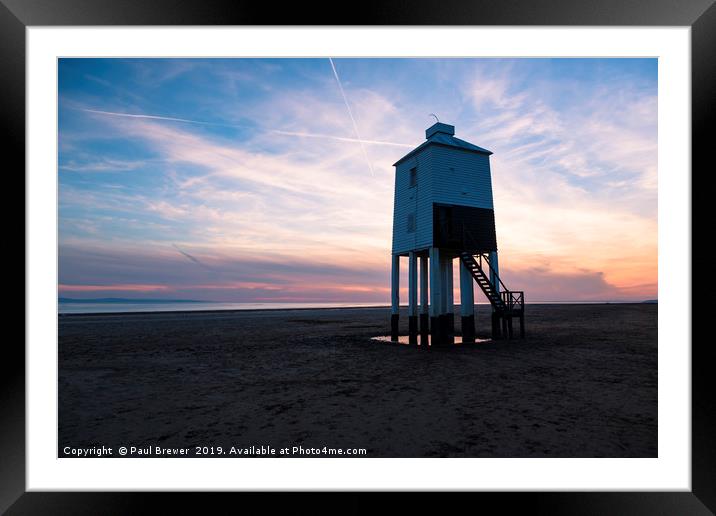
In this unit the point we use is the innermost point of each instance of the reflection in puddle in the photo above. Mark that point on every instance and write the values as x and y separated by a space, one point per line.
403 339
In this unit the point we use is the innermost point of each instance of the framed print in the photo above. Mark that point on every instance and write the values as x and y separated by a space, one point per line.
262 254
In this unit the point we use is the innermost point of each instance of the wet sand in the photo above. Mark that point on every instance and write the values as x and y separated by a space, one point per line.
582 384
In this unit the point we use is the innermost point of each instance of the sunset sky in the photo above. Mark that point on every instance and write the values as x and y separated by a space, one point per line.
271 179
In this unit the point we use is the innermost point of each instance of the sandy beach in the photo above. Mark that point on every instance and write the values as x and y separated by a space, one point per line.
582 384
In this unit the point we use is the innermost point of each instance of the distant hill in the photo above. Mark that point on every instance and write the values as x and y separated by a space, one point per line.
125 300
651 301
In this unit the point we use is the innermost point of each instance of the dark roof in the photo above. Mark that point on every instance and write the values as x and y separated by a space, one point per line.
447 140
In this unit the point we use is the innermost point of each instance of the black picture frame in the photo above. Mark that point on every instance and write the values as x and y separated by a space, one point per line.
700 15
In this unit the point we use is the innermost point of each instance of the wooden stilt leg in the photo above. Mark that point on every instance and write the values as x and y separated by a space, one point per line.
394 297
412 299
424 303
436 294
495 325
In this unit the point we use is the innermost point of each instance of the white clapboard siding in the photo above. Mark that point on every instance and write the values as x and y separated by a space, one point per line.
413 200
445 175
460 177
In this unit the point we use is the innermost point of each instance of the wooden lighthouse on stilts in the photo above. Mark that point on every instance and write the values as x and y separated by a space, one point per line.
443 212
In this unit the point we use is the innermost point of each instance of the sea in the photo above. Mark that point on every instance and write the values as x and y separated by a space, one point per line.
88 307
190 306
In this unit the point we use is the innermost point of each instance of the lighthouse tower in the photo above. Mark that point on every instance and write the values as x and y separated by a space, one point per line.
443 211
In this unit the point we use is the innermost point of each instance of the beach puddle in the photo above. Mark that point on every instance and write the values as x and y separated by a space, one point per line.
404 339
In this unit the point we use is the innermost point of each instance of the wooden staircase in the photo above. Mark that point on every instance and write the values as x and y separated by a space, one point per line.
506 303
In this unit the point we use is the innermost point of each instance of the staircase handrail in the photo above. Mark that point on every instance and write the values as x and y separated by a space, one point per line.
487 259
485 256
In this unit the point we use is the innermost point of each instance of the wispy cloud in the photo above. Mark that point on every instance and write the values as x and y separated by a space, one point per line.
112 288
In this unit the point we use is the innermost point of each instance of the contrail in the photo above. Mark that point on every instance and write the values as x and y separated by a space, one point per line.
350 113
152 117
340 138
192 258
275 131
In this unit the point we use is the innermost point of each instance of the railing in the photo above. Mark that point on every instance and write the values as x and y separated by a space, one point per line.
465 233
499 281
514 300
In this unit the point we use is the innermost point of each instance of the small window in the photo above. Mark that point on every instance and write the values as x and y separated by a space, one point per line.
413 177
411 222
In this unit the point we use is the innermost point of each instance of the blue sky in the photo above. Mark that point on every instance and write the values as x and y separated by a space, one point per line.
259 180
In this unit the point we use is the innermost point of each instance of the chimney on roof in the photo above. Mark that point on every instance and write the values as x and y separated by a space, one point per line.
439 127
